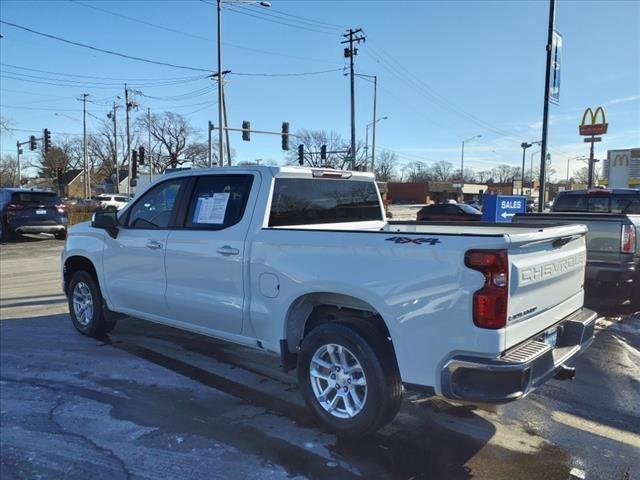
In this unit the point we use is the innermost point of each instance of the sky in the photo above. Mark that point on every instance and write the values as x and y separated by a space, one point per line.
447 71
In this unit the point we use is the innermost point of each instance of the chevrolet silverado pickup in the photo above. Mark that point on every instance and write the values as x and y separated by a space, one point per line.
303 263
612 217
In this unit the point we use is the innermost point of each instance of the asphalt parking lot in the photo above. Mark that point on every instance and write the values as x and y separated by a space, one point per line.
151 402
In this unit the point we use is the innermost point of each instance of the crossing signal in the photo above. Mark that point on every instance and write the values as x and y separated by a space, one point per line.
285 135
141 152
300 154
323 152
32 143
46 135
246 131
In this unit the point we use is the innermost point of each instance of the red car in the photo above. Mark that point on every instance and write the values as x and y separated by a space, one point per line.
448 212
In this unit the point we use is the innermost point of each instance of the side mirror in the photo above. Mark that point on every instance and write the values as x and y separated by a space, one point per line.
106 220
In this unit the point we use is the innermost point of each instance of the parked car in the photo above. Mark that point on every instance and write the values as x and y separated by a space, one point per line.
82 203
32 211
449 212
111 202
303 263
475 204
613 239
532 206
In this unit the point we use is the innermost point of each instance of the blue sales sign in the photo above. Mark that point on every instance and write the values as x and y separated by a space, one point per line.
502 208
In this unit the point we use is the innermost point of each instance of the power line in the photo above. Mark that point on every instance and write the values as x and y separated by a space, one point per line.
339 27
309 24
241 11
66 74
299 74
102 50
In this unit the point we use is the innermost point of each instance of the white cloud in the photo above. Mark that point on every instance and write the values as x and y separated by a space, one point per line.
630 98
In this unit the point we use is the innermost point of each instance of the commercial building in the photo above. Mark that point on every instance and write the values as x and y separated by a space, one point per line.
621 169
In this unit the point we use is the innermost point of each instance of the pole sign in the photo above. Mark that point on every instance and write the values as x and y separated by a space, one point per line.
556 59
502 208
591 125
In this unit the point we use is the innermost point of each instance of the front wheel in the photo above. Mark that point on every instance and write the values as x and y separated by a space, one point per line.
61 235
349 387
85 306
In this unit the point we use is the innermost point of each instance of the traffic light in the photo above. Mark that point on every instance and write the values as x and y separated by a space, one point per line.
46 135
323 152
285 135
141 155
300 154
134 164
246 131
32 143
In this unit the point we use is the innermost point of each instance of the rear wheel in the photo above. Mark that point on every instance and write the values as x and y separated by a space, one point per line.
61 235
347 379
85 305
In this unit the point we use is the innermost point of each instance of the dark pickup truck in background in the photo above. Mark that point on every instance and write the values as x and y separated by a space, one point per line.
613 239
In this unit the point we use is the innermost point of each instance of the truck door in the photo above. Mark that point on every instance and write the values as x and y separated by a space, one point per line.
133 262
205 260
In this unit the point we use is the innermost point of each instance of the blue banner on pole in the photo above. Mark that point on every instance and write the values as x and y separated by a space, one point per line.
556 60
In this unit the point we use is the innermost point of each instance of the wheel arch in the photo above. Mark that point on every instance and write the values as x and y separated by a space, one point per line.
78 262
312 309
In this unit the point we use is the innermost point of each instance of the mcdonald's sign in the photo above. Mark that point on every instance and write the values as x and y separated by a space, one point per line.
590 125
621 160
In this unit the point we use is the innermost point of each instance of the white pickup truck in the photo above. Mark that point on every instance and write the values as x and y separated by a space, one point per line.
303 263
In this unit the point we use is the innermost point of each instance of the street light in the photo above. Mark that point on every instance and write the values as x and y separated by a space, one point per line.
366 143
219 17
462 163
524 146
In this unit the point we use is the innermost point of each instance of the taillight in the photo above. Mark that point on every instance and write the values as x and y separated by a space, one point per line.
628 239
14 207
62 208
490 302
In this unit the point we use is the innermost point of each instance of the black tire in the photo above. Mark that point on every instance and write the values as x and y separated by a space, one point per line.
383 384
61 235
634 296
97 324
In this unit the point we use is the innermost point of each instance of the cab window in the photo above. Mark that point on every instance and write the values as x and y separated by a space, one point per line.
154 209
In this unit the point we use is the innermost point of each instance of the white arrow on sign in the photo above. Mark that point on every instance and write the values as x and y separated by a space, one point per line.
507 215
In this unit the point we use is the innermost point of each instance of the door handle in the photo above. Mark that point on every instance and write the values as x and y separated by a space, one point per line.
153 245
227 250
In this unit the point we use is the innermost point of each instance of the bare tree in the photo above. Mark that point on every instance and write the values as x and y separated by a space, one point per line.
8 171
484 176
502 173
313 140
418 172
582 175
196 154
442 171
173 132
5 124
385 165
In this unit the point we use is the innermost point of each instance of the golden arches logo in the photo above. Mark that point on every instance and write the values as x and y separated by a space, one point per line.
620 161
593 127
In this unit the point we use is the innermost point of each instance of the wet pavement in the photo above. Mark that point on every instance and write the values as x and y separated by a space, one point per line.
148 401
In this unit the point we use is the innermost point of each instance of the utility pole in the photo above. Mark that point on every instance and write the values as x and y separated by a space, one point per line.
545 114
350 52
112 116
19 164
209 128
373 140
220 128
226 132
128 151
87 174
524 146
150 160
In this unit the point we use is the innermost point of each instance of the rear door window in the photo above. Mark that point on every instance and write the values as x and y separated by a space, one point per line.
629 204
218 201
303 201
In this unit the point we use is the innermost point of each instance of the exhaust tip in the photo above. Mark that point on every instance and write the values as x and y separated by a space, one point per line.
565 373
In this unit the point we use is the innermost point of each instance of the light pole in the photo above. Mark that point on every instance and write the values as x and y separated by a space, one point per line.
219 38
524 146
373 145
462 163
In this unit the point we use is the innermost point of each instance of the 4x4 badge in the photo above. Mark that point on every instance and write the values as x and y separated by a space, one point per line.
418 241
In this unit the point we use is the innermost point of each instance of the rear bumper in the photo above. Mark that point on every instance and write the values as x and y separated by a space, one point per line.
53 228
28 225
521 369
614 273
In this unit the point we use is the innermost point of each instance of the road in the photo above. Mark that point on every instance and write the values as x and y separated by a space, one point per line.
151 402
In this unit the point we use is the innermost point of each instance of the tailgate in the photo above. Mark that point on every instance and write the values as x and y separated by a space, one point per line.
546 278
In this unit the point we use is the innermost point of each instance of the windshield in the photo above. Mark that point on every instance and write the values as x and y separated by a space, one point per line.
598 203
469 209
